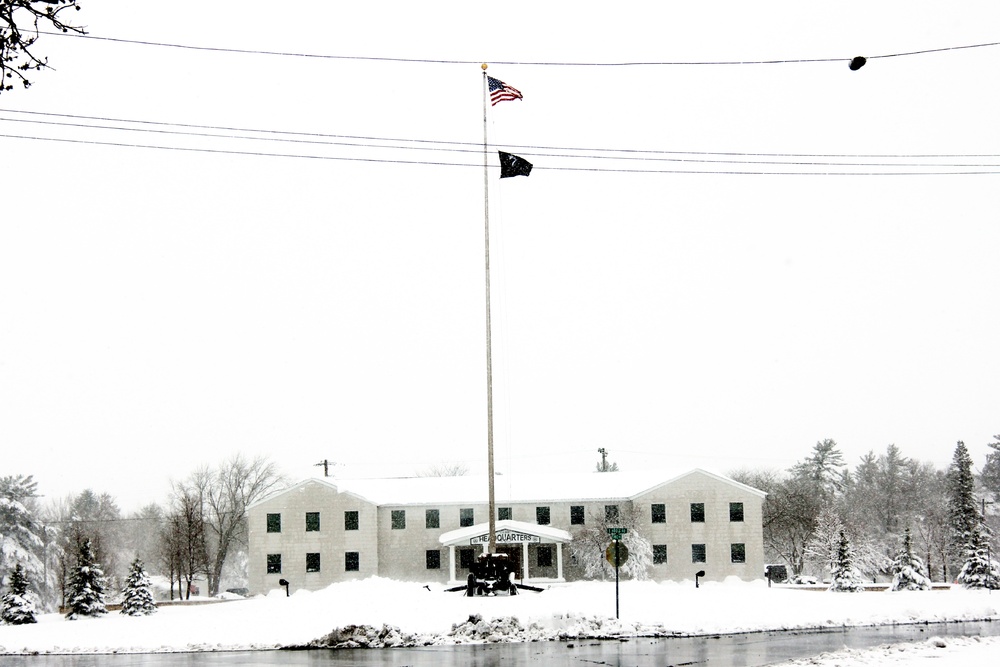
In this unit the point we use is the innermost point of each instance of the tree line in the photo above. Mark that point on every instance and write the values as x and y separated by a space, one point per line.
945 517
198 533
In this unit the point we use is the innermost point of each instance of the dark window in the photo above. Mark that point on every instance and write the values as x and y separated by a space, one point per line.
576 515
697 553
542 516
433 558
274 563
351 520
274 523
352 561
398 519
697 512
432 518
611 514
659 554
659 513
505 513
738 553
544 556
466 517
312 562
736 511
312 521
465 558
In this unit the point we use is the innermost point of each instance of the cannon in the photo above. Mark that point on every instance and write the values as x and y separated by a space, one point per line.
491 574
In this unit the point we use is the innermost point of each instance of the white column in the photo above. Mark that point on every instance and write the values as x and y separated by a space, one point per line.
559 574
451 562
524 555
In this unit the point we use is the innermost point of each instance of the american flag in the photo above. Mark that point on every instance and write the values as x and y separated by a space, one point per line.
500 91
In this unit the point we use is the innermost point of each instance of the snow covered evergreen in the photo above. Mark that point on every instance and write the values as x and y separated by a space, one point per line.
908 569
86 585
20 541
137 600
17 606
979 569
845 578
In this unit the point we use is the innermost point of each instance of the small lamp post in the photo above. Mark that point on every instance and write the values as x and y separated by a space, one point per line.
698 575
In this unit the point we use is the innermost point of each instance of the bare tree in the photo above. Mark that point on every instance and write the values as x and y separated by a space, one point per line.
184 550
445 470
21 23
223 495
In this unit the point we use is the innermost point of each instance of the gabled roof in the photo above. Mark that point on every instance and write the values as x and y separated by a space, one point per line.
473 489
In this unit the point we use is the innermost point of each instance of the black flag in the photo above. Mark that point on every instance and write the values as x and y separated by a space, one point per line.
512 165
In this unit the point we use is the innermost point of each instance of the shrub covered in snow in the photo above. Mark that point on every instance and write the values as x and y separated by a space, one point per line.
86 585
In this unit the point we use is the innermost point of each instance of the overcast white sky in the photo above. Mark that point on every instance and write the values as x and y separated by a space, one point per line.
162 309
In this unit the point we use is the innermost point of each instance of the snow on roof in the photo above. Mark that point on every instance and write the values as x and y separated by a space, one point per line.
553 487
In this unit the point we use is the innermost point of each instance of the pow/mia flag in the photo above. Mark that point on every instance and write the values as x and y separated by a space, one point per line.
512 165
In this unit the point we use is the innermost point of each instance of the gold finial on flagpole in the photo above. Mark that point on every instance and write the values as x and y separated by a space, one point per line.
485 66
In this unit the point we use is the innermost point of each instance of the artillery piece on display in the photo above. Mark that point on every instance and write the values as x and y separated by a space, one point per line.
491 574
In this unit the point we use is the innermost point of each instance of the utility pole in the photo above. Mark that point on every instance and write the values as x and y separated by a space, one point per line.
326 466
604 458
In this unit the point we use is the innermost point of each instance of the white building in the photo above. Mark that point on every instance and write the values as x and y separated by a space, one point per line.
429 529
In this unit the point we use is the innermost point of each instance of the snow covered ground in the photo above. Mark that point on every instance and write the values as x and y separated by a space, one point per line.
360 612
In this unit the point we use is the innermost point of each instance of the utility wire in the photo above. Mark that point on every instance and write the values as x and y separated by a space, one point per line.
987 169
463 147
434 61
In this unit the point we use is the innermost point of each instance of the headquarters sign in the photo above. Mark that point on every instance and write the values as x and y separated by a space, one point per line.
507 537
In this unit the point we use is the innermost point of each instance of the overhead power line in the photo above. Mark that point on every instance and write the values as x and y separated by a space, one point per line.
441 61
561 158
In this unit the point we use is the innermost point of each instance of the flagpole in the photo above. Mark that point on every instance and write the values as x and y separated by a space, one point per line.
492 546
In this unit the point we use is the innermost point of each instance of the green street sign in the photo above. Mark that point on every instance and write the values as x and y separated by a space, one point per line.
616 533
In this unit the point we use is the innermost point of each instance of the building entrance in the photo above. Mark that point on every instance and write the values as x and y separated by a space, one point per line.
514 554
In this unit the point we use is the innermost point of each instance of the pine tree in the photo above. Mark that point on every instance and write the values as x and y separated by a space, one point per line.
845 579
86 585
137 600
20 541
979 571
18 608
908 569
963 512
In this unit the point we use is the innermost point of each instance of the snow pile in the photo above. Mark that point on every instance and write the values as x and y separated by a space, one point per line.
953 650
380 612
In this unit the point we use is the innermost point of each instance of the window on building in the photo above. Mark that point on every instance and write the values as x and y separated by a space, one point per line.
351 520
697 553
576 515
466 558
659 513
738 553
312 562
274 523
398 519
611 514
312 521
736 511
697 512
505 514
542 516
352 561
544 556
274 563
432 519
466 517
433 558
659 554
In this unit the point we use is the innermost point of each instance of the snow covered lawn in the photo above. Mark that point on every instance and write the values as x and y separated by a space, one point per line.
426 615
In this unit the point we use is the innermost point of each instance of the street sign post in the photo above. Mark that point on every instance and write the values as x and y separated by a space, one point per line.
616 553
